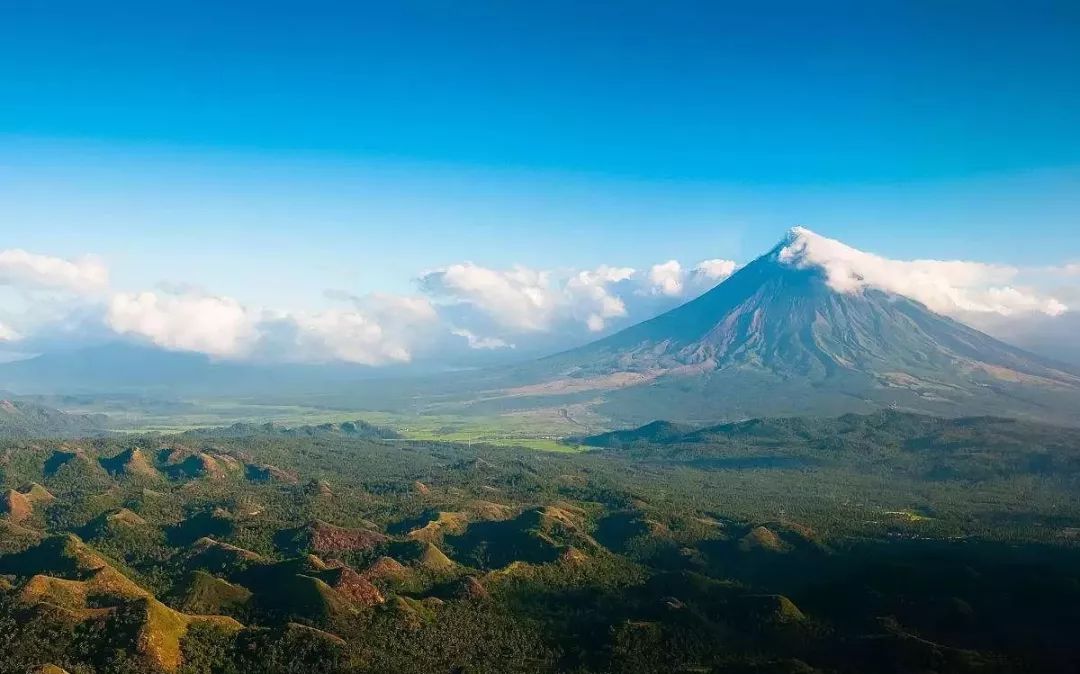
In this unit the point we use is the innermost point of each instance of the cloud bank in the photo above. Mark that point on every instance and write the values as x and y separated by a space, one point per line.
950 287
481 343
29 271
375 330
468 308
518 298
671 280
216 326
524 300
8 334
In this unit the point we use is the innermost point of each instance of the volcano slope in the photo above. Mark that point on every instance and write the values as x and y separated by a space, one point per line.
778 337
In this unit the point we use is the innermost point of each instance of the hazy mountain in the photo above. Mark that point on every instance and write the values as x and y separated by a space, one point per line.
776 338
122 367
121 370
346 429
20 419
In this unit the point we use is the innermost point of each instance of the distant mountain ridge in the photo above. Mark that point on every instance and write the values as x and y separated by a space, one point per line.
122 367
921 446
347 429
879 428
19 419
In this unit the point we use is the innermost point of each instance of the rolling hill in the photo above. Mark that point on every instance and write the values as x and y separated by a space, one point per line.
711 547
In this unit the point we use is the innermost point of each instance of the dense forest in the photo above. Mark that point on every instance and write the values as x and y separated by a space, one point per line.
878 543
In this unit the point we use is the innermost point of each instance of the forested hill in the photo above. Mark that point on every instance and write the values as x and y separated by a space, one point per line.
345 429
887 427
927 447
20 419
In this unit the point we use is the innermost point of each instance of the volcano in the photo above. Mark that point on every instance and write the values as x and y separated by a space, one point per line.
788 335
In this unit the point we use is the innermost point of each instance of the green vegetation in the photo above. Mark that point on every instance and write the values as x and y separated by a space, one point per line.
541 430
538 431
22 419
882 543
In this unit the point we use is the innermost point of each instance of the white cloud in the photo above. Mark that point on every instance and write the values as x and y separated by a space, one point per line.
715 270
953 287
524 300
476 342
378 330
1008 301
217 326
667 278
42 293
404 308
671 280
8 334
519 298
496 307
590 298
344 335
21 269
410 307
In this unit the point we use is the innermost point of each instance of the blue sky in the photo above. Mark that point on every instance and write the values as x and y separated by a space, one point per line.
272 151
261 225
779 92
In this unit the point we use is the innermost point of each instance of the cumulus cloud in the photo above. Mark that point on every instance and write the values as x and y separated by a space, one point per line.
42 294
343 335
671 280
8 334
49 295
217 326
524 300
378 329
519 298
667 278
590 298
953 287
489 309
26 270
389 307
714 271
375 331
481 343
